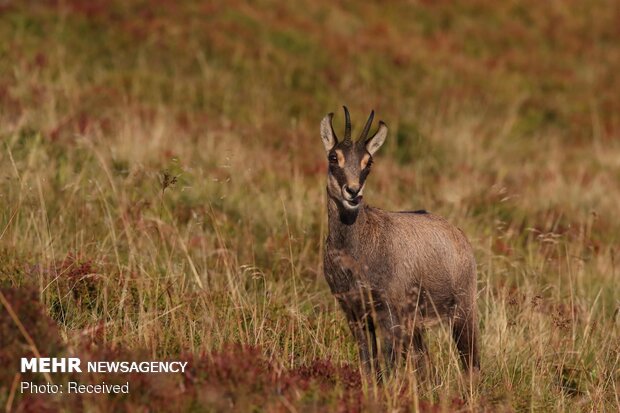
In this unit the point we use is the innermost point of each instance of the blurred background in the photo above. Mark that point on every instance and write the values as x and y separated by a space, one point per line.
163 186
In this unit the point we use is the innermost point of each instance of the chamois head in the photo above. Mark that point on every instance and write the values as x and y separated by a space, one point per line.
349 162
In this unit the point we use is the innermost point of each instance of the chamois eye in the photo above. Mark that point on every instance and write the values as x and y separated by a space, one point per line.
333 158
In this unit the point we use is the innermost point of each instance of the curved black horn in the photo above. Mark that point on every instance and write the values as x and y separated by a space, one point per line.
364 133
347 124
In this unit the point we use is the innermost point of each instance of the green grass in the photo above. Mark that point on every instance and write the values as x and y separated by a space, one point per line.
163 177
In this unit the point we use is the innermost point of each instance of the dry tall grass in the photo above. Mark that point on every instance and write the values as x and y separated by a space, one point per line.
163 187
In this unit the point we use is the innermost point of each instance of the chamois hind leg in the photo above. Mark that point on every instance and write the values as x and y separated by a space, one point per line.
465 334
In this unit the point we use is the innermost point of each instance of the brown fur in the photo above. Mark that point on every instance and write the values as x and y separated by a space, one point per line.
395 273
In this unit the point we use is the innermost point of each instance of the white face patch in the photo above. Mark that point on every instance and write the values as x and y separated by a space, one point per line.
340 156
364 161
349 205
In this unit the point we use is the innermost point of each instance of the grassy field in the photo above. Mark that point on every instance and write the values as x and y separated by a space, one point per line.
162 195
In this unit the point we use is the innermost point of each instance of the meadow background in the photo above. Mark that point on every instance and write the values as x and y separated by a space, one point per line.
162 195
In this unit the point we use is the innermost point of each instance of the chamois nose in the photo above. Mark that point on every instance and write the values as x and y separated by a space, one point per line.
352 190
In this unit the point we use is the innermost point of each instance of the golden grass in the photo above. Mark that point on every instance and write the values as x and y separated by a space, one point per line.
163 180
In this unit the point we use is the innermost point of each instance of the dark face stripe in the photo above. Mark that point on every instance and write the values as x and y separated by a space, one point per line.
352 161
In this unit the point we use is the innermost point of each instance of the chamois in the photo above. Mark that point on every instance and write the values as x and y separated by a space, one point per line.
393 273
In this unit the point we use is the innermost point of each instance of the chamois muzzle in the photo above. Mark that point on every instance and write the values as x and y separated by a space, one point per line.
352 195
352 191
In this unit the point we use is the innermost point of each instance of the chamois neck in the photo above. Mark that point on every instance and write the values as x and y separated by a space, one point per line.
343 223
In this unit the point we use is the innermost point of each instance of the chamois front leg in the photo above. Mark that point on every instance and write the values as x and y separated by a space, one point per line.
392 333
362 327
365 335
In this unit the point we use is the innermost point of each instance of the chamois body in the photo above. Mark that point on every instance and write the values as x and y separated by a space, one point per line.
394 273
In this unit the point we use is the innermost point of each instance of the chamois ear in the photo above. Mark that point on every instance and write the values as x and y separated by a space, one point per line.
375 141
327 133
